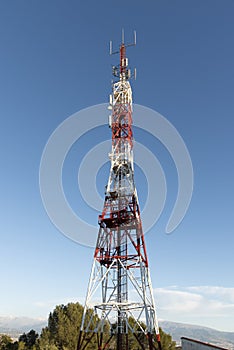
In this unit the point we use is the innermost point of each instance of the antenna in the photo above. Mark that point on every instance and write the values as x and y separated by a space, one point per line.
135 73
110 47
122 71
122 44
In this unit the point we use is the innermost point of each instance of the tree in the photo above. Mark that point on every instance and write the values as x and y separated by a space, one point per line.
21 345
166 341
63 328
29 339
6 343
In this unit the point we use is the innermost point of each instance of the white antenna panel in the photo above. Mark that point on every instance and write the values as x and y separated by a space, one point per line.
110 120
110 47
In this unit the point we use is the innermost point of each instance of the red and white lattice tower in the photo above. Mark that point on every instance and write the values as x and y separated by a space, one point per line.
120 297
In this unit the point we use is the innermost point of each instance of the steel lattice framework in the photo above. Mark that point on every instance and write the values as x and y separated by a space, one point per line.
120 295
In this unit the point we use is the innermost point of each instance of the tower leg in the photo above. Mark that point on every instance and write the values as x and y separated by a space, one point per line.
159 342
79 340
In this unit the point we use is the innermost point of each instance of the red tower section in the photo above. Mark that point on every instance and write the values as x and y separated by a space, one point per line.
119 304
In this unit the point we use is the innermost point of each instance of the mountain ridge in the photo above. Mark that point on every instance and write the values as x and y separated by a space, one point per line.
15 326
201 333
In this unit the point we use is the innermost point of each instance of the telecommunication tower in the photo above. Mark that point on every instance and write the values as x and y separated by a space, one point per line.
119 304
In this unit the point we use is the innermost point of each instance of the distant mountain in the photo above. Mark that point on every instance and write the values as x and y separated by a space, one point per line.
204 334
14 326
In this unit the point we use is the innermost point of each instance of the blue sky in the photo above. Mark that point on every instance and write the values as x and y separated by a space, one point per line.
54 62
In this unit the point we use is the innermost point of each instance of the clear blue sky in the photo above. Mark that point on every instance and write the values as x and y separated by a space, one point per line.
54 61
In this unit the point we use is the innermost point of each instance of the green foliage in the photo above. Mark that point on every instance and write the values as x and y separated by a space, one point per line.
63 328
6 343
137 337
5 340
166 341
29 339
21 345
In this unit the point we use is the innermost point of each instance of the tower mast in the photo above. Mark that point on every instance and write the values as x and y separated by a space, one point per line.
120 297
